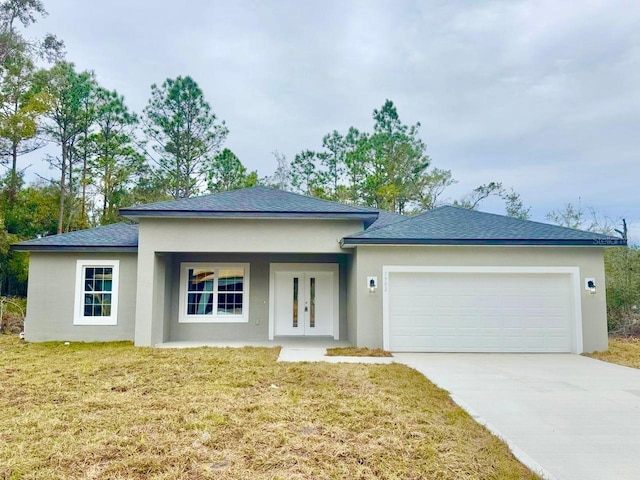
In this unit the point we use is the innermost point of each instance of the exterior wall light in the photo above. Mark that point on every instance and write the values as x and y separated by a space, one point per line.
372 284
590 284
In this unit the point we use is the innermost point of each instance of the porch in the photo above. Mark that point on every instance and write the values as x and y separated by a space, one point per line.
247 299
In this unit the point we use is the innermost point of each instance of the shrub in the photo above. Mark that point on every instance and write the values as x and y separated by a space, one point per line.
12 320
12 323
622 268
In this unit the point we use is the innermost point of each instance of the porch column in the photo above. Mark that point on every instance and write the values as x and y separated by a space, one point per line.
144 298
150 304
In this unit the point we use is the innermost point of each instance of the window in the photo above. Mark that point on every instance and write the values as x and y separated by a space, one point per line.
96 300
214 292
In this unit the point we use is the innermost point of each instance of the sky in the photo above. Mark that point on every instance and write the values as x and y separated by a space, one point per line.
543 96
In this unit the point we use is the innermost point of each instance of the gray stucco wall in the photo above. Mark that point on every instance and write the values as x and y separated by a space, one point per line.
258 326
51 296
160 239
352 298
370 261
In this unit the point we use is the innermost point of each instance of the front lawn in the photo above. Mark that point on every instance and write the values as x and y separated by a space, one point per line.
357 352
98 411
623 351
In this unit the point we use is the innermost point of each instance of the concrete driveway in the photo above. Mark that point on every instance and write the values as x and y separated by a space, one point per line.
565 416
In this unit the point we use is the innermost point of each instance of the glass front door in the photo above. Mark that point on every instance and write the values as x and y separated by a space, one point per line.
304 303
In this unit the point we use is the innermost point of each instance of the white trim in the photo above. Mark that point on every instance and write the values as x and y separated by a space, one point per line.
78 306
573 272
469 245
182 314
304 267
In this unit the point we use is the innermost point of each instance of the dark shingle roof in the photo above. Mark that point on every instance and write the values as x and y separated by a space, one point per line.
459 226
386 218
109 238
441 226
247 203
252 202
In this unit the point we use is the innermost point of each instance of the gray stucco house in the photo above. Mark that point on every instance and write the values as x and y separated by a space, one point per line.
258 264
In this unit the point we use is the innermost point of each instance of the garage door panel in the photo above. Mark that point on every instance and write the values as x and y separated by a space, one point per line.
556 323
531 301
555 301
480 312
447 301
511 301
557 344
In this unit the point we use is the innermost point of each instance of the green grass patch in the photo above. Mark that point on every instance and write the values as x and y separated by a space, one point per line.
119 412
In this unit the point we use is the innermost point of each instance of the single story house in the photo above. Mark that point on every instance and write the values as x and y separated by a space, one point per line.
258 264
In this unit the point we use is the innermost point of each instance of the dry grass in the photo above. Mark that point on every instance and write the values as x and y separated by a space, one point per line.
112 411
623 351
357 352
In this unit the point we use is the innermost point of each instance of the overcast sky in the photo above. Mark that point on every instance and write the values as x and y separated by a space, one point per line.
543 96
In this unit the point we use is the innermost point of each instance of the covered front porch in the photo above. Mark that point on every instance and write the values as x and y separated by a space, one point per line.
249 299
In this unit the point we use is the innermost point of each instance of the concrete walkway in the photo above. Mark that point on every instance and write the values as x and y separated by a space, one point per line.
309 349
565 416
288 354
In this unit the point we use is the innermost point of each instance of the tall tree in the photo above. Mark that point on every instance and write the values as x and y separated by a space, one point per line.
281 178
186 134
21 105
67 90
354 164
115 162
387 166
25 12
473 199
334 160
82 148
429 187
305 175
6 270
227 172
580 217
32 213
514 205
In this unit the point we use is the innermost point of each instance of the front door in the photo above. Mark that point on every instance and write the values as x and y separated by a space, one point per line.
304 303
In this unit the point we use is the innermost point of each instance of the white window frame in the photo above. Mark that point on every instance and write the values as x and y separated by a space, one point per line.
79 318
215 318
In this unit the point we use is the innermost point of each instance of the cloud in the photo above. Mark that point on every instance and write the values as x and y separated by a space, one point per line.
542 95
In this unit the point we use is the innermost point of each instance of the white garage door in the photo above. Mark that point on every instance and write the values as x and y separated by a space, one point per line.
480 312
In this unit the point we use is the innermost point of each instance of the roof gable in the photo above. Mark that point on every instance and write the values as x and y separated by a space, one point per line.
252 202
450 225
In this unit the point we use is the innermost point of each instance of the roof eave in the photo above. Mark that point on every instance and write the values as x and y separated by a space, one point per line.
135 214
74 248
596 242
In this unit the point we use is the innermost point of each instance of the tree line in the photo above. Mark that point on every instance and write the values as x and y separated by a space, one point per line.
108 157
